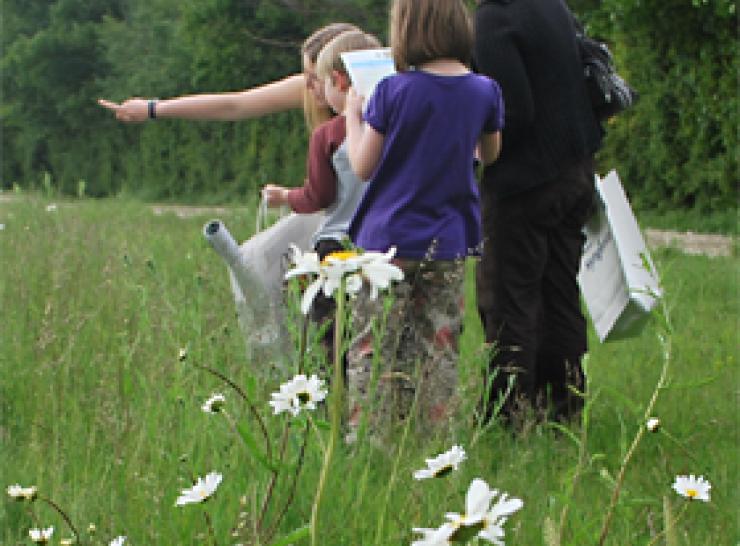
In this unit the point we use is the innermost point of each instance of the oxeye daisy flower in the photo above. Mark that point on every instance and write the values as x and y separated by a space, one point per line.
118 541
41 536
442 464
20 493
51 207
215 403
297 394
201 491
182 354
354 267
692 488
653 424
480 518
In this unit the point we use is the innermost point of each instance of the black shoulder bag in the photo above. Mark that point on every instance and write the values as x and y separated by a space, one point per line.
608 91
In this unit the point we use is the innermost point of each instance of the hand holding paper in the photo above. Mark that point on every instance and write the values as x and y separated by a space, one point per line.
367 67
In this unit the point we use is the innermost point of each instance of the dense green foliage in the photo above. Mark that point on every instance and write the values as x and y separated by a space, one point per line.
676 148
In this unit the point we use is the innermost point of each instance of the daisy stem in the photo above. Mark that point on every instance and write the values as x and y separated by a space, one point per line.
291 495
681 445
252 408
273 479
312 424
668 525
335 409
665 342
56 507
209 523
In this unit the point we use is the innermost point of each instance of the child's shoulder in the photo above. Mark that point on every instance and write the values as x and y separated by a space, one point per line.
330 131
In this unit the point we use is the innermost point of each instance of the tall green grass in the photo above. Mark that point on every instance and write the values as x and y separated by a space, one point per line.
98 297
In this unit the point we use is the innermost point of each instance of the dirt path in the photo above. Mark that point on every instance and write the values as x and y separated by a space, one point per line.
688 241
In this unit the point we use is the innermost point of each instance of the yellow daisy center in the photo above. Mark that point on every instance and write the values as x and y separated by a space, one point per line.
341 255
692 493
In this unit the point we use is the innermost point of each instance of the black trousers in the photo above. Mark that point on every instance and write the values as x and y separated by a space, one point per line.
528 295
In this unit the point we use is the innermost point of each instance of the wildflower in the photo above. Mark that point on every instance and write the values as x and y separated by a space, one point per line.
201 491
692 488
442 464
214 404
118 541
18 492
52 207
434 537
480 518
297 394
350 265
67 541
182 354
91 528
2 227
653 424
41 536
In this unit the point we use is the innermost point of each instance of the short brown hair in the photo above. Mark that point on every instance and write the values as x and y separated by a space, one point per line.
330 57
312 112
425 30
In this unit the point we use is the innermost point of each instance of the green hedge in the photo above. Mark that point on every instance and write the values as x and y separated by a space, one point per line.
676 149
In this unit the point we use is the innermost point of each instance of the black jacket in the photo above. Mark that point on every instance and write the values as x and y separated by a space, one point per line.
529 48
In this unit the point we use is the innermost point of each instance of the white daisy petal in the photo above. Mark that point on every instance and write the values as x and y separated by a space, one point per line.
442 464
300 393
41 536
434 537
215 403
653 424
693 488
480 519
201 491
309 295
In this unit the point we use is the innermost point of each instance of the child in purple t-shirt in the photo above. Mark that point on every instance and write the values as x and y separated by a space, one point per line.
416 147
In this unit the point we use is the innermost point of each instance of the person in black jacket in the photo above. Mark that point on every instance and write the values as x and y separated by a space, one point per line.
535 200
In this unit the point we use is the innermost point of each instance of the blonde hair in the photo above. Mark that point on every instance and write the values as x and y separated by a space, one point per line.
425 30
330 57
313 113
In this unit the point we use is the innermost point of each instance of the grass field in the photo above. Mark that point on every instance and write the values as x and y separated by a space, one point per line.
98 297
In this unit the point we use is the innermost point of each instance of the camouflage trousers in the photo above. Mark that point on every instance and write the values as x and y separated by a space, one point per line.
403 356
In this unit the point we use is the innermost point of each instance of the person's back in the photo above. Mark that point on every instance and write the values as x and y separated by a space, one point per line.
528 46
349 189
535 200
424 192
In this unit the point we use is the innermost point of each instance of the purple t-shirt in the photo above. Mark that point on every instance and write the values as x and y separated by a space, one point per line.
424 188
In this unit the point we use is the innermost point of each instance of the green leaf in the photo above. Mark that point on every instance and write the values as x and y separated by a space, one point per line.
298 534
251 444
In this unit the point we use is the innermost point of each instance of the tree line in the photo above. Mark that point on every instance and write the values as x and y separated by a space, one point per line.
675 148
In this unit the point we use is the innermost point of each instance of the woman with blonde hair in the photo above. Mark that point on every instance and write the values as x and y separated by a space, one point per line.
260 326
286 94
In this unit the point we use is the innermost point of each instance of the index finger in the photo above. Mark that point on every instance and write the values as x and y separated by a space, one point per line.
108 104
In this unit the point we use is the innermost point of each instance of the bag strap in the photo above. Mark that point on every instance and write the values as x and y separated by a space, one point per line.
261 213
